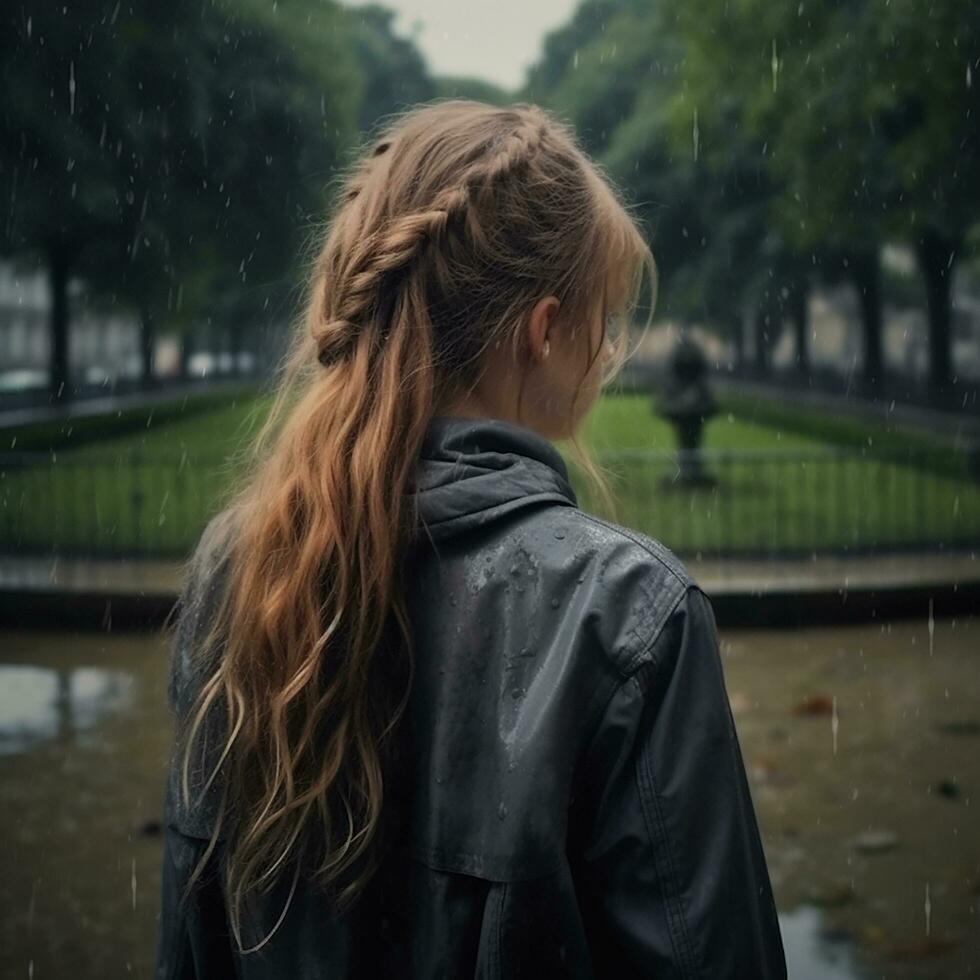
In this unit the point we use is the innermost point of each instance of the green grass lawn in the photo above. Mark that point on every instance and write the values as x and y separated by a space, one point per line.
127 425
627 421
868 485
150 490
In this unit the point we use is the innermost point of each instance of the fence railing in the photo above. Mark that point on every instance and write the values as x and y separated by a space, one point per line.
759 503
101 504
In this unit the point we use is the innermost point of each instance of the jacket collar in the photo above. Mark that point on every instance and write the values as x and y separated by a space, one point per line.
473 471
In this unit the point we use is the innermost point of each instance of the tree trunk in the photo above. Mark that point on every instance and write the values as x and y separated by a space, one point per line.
866 273
738 339
934 253
763 335
58 376
186 352
147 343
798 297
234 335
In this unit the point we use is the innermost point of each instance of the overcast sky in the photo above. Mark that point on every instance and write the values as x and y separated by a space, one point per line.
492 40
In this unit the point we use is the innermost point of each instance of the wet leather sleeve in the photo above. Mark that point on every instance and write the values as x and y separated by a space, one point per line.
668 862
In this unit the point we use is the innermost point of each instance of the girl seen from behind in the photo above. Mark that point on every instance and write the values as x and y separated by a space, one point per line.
432 718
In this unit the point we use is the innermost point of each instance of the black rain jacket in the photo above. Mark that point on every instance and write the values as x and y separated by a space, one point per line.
574 802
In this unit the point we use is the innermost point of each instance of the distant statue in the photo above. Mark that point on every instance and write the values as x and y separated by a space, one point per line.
687 402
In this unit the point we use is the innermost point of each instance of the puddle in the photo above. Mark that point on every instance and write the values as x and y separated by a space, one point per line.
813 953
42 703
885 750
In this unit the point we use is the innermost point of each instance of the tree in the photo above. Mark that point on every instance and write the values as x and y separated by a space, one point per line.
867 115
140 141
274 115
592 69
393 72
461 87
60 146
616 70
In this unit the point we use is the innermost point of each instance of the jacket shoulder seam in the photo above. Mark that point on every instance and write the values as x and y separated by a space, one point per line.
680 577
643 657
678 572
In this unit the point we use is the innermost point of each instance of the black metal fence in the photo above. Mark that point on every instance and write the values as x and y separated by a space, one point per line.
794 503
758 503
114 505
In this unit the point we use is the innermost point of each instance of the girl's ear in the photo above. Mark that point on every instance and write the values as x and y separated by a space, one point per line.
542 318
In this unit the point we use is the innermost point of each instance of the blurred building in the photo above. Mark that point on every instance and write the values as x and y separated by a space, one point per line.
835 338
103 342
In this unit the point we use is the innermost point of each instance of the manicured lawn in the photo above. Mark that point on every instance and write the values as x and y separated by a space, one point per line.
137 424
628 422
780 489
145 490
151 490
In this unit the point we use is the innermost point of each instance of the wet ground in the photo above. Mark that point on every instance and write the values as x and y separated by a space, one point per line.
862 744
863 749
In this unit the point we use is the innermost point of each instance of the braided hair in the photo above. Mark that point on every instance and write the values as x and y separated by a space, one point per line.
447 228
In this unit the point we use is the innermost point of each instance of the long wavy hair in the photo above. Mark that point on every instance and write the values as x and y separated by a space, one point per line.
448 226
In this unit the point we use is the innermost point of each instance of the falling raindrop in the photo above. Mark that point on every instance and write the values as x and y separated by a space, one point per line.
71 88
928 910
696 135
932 626
969 76
775 65
834 721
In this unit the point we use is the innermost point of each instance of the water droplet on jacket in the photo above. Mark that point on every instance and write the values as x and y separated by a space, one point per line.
516 693
554 603
514 570
502 811
559 535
